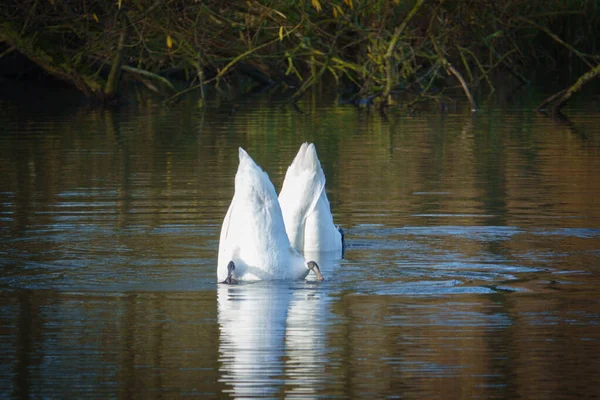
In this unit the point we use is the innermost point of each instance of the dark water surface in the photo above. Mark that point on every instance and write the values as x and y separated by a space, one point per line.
473 266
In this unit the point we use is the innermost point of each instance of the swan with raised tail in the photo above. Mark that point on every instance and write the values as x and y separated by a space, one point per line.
305 207
254 244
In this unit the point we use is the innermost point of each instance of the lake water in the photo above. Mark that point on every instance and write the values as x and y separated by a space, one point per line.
472 268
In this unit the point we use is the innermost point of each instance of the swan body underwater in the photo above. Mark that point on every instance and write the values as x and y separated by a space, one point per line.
253 243
305 207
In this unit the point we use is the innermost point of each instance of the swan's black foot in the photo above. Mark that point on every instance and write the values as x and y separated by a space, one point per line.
315 268
230 280
341 231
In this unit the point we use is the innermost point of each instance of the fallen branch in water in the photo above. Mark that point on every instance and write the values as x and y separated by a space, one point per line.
450 68
460 78
565 95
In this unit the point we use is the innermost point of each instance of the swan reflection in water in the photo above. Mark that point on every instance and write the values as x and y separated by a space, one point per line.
272 336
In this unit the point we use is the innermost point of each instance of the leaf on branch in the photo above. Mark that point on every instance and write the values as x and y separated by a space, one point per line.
280 14
316 5
337 11
494 35
292 69
95 18
169 41
335 75
281 33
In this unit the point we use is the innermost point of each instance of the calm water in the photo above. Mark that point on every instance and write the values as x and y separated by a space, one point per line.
473 266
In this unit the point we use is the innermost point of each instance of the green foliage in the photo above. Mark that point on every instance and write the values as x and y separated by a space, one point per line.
302 42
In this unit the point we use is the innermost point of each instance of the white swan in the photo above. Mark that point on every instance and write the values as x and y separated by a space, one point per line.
253 244
305 207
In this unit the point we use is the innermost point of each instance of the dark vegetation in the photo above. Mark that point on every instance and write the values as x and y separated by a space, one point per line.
381 52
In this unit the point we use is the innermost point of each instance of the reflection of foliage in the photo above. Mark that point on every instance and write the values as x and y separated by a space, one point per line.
381 47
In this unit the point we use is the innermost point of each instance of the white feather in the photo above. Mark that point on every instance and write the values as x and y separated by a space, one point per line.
253 234
305 207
